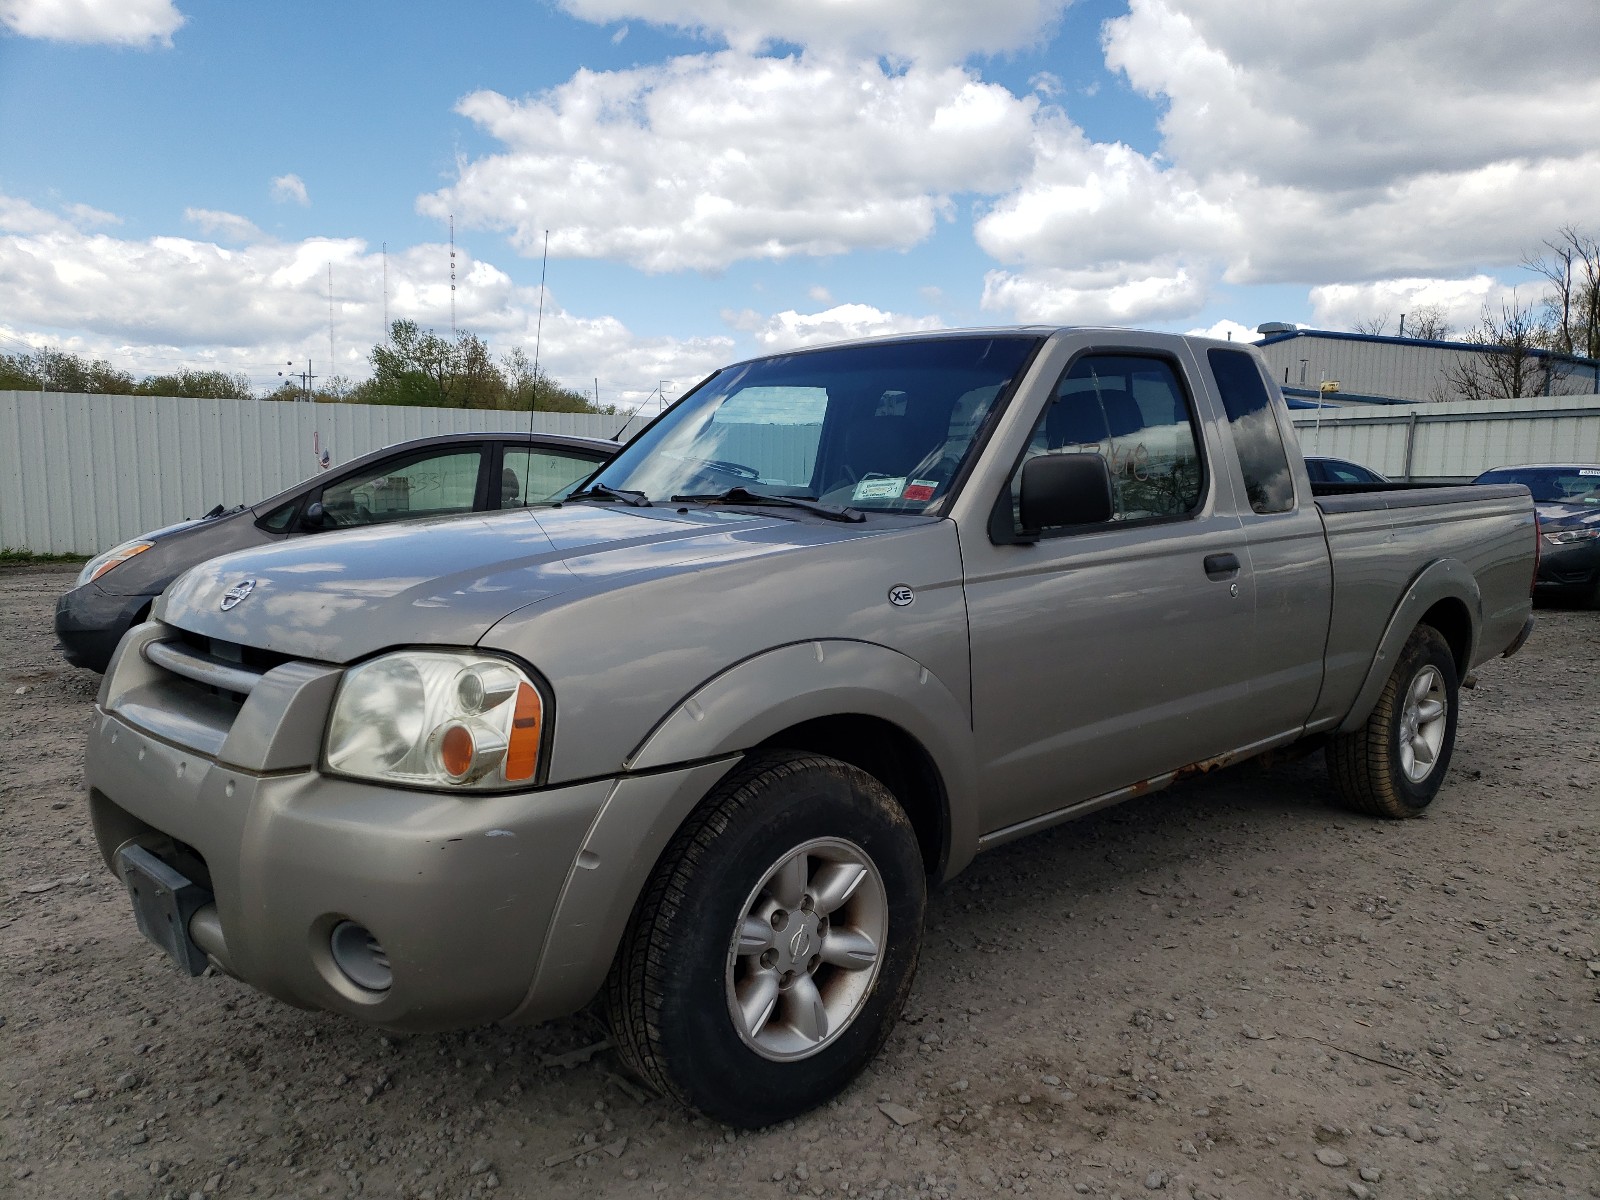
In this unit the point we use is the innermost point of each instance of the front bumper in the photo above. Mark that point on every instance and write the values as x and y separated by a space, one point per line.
459 891
90 623
488 907
1572 568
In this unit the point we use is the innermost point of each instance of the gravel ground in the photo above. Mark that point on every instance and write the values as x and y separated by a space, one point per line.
1229 989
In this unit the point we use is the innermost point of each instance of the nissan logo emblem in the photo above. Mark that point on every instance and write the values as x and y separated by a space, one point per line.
236 594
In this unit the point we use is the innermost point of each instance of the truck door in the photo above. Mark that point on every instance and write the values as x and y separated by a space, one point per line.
1103 655
1287 550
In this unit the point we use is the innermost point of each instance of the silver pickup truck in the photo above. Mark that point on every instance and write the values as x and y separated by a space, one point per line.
698 740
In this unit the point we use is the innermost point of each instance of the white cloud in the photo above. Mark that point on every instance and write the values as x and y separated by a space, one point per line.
1104 296
1354 142
786 330
927 30
290 188
18 216
188 301
706 160
1341 305
116 22
1364 92
819 294
1226 331
222 224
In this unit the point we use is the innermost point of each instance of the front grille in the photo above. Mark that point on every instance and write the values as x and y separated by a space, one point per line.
215 674
259 661
189 689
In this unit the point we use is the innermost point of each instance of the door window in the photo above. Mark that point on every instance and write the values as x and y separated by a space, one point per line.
424 486
540 476
1134 413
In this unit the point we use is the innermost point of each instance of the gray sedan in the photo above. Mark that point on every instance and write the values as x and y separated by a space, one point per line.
1567 499
429 477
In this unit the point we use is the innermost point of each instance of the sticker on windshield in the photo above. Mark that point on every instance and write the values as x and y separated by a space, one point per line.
920 489
880 487
1586 471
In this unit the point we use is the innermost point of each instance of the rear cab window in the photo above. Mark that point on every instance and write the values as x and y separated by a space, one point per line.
1257 440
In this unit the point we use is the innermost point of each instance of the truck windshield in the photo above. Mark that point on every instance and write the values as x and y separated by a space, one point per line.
1552 485
882 426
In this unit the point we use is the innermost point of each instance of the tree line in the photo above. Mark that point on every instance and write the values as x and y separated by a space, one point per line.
1529 347
413 366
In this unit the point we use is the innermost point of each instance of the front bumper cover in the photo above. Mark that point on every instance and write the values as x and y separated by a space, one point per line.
90 622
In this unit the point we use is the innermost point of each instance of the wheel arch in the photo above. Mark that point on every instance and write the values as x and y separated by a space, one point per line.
893 757
1443 595
860 702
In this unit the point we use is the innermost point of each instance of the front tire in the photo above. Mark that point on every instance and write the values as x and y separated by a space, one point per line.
1395 763
774 946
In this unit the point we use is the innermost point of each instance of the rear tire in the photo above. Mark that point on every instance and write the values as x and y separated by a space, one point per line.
774 946
1395 763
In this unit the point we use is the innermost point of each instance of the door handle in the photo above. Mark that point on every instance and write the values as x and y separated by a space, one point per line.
1221 566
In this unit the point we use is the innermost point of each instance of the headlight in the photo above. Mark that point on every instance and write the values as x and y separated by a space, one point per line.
436 720
1565 537
114 557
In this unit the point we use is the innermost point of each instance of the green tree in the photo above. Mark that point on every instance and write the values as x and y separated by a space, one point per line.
203 385
528 387
414 367
16 373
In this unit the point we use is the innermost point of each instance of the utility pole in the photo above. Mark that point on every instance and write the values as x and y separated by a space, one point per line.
305 377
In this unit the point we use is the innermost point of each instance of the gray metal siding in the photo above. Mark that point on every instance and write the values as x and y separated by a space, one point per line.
1458 440
1409 370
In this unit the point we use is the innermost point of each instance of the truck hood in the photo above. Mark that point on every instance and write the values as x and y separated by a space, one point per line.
341 596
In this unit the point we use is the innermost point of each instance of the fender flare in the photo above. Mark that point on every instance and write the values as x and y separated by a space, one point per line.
694 747
779 688
1443 579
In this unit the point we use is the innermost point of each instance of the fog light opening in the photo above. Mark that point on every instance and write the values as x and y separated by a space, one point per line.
360 956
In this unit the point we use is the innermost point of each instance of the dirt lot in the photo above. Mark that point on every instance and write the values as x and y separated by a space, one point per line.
1231 989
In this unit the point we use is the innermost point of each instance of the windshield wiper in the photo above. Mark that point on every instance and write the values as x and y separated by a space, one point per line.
743 495
629 497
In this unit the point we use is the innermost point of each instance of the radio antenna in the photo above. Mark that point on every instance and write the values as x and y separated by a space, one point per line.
637 409
538 333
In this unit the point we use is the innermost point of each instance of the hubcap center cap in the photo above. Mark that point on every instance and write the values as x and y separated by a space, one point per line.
800 942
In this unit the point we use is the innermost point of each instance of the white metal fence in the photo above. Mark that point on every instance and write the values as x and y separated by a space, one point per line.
81 473
1458 440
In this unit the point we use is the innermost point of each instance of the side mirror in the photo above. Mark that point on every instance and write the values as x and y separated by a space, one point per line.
1064 489
314 517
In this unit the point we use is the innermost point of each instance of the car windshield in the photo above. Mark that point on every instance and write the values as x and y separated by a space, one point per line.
879 426
1553 485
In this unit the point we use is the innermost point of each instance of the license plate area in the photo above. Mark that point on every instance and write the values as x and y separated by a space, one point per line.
163 901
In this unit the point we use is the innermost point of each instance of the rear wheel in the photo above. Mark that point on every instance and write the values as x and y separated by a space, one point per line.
774 946
1395 763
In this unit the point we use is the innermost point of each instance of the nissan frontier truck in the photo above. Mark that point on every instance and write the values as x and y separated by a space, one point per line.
697 741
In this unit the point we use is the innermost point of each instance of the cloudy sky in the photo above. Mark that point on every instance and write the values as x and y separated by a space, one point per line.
178 178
